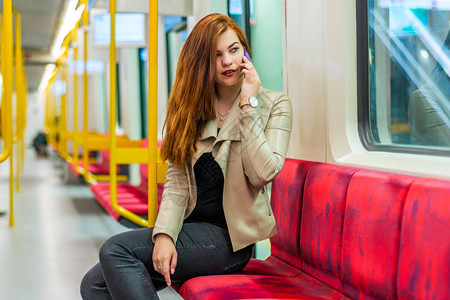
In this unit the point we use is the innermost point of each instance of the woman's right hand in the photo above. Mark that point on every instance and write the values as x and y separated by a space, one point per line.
164 256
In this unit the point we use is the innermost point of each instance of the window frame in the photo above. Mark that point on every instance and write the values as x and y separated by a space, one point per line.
245 17
363 99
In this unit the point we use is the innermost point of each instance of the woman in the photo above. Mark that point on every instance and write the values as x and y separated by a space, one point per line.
226 138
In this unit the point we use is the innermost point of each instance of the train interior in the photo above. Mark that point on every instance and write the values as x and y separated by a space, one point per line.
78 134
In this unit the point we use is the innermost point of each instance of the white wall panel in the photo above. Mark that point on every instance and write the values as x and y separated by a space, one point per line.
129 92
305 78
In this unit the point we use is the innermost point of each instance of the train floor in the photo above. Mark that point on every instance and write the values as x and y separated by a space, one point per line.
59 228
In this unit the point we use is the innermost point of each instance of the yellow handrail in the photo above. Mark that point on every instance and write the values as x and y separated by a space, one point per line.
63 134
152 111
21 95
156 168
20 92
62 66
85 93
11 190
112 126
75 102
64 99
6 105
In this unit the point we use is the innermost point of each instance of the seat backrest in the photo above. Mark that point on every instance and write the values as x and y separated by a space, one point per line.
424 258
143 168
104 159
322 222
286 201
371 235
367 234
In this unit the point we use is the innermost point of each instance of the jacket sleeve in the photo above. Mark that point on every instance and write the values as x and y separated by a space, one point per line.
173 203
264 149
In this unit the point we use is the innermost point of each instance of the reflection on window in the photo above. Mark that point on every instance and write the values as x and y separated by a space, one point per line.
409 69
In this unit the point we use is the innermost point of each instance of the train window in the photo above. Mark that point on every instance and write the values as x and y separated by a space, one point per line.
403 75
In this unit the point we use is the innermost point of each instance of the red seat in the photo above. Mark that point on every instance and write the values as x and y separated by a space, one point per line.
371 236
346 232
100 168
424 259
257 287
131 197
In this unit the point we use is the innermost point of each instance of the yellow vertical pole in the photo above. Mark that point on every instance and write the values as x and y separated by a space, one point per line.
63 137
152 110
47 112
7 98
24 114
11 189
112 107
18 163
19 93
22 152
7 78
75 101
85 92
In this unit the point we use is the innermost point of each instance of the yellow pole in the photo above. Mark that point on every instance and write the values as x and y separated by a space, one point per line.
11 190
112 126
18 77
85 93
75 102
152 111
112 107
7 78
18 163
63 137
7 98
24 114
47 110
19 94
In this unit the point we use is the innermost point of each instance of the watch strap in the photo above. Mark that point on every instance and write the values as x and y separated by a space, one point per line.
244 102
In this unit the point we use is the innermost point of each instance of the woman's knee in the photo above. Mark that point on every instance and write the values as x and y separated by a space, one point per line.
91 281
121 245
111 247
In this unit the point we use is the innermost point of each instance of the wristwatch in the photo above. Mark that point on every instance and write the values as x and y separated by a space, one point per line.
252 101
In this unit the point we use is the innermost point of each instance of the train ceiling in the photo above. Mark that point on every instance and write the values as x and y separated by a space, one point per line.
40 20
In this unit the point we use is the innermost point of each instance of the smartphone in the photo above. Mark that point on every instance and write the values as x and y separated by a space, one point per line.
247 55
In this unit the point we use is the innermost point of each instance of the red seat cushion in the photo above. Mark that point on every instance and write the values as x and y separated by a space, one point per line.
97 169
130 197
371 234
323 222
424 262
256 287
272 266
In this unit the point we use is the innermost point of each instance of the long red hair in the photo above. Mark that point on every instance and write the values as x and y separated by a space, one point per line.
191 101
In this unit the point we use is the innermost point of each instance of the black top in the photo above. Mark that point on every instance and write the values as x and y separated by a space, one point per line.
209 207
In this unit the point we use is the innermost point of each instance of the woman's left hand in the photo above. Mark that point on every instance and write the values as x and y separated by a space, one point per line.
251 82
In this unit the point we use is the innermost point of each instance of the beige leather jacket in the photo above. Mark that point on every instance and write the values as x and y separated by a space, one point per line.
250 149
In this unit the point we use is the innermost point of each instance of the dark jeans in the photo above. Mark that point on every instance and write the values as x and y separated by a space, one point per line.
126 269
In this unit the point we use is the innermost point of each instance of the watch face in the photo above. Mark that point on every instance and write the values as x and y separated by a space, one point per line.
253 101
